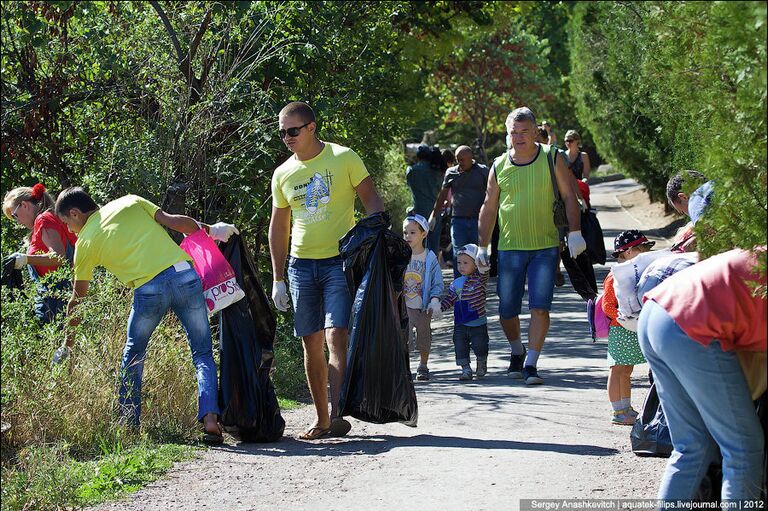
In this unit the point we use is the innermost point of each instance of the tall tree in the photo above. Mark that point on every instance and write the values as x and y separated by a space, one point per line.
489 75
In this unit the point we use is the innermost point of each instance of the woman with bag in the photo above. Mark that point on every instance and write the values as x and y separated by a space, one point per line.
579 161
50 244
126 237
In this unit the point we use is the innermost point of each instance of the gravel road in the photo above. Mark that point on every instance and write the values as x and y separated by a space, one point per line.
484 444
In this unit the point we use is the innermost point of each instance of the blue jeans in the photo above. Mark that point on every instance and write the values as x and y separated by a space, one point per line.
466 336
708 406
433 239
539 266
463 232
47 307
321 297
182 292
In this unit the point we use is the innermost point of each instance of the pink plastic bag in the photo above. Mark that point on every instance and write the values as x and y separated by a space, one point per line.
220 286
602 323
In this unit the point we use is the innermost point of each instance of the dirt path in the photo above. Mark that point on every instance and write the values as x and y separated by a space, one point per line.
479 445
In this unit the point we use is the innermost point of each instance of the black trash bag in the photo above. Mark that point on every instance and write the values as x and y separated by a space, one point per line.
762 413
249 408
377 386
650 433
593 235
581 274
12 277
356 246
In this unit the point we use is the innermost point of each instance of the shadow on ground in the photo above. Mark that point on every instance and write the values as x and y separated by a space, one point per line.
377 444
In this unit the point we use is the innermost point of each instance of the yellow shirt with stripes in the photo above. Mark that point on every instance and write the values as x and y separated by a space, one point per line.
525 202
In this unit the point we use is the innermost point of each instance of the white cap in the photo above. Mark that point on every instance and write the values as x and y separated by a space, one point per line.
470 249
419 220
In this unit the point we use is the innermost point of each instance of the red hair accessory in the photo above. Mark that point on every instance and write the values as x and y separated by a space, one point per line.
37 191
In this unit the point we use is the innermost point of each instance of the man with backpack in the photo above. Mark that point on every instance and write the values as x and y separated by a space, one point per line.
520 191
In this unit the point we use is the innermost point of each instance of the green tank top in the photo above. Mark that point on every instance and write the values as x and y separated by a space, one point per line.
525 203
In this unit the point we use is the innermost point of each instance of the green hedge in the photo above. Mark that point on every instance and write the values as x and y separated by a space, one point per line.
668 86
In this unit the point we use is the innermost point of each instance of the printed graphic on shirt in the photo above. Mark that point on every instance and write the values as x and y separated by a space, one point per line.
317 193
414 281
316 196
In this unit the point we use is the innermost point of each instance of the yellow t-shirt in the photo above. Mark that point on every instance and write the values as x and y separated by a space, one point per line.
321 195
124 238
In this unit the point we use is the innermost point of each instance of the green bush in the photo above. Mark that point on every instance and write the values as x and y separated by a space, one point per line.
668 86
76 402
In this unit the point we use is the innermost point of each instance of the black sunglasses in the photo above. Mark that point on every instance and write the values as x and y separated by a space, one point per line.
293 132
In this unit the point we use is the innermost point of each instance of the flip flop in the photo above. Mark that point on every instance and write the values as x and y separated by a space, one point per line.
315 433
340 426
213 438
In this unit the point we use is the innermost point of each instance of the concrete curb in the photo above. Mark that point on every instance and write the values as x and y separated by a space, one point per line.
605 179
666 233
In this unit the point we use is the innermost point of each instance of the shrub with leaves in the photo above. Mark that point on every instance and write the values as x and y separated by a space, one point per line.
668 86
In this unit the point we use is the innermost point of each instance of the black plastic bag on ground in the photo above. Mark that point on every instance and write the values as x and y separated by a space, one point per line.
377 386
249 408
650 433
593 235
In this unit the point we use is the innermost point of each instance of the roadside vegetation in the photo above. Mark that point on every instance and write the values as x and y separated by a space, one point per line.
177 101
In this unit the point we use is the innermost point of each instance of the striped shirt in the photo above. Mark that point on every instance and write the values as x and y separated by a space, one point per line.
467 296
525 202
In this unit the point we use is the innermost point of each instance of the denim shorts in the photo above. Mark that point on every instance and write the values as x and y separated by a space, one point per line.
539 267
321 297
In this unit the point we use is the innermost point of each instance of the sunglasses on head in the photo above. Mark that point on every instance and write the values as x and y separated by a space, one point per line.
293 132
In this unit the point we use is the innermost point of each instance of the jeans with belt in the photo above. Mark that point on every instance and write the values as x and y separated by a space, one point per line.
179 289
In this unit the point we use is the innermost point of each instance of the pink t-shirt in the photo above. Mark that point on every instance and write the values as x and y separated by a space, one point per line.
712 300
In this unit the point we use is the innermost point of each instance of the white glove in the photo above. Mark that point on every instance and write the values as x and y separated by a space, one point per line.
221 231
280 295
21 260
482 260
434 308
576 244
61 355
432 221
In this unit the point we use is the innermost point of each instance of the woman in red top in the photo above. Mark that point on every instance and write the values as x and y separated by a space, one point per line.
50 243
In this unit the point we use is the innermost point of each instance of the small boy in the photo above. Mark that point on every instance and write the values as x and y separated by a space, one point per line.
467 296
422 287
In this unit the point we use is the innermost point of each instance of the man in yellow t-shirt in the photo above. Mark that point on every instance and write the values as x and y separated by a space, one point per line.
313 203
126 237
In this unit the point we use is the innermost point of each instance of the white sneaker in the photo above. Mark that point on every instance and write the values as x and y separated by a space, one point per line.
482 367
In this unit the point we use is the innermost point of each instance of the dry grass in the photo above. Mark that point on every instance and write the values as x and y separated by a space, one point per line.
75 403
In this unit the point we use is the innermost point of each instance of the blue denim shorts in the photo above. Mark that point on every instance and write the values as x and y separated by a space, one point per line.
539 267
321 297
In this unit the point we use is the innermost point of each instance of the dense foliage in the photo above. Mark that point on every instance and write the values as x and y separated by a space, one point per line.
177 101
667 86
488 73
